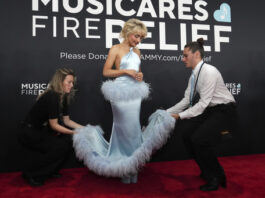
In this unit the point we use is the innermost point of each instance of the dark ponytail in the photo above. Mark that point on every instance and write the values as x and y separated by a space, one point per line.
196 46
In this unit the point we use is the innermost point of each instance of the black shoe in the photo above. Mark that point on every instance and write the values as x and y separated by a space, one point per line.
214 184
33 181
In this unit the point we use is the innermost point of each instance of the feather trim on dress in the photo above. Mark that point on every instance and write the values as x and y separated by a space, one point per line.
91 147
116 90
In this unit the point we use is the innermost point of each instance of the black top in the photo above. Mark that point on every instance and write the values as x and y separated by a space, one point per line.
47 107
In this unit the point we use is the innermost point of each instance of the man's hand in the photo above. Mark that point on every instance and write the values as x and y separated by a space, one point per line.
176 116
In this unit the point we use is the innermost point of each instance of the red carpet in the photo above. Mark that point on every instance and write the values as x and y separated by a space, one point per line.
245 175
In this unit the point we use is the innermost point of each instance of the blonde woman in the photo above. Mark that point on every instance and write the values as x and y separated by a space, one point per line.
129 147
45 129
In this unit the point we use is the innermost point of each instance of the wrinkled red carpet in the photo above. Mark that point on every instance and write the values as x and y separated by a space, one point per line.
245 175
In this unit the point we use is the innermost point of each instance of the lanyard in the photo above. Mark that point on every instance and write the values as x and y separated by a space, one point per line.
196 83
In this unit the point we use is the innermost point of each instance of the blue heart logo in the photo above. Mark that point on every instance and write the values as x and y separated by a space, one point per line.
224 14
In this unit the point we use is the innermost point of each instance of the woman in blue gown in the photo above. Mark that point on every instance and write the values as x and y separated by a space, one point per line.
129 147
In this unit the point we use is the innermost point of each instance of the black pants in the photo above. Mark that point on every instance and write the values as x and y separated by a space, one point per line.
201 134
44 152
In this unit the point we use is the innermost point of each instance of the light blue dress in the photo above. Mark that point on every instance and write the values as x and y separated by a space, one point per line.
129 147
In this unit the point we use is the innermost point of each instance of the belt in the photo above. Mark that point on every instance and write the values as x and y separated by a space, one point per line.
230 104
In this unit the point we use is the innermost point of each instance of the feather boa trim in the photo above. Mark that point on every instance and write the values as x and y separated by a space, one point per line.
123 90
91 147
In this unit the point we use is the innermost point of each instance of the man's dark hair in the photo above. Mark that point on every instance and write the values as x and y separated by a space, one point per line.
196 45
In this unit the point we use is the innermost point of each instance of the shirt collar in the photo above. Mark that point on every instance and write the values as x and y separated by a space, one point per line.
197 68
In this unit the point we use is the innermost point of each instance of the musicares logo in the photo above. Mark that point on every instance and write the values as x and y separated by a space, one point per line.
48 15
234 88
33 88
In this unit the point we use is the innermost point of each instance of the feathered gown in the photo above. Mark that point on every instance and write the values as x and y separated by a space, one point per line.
129 147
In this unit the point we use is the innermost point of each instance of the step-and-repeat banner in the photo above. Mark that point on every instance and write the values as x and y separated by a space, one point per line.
39 36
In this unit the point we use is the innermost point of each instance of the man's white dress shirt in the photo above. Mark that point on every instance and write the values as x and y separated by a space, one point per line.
212 91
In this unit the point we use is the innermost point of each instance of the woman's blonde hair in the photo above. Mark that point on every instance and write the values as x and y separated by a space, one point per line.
133 26
56 84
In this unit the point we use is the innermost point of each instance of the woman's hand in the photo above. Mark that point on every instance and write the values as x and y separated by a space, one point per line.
131 72
70 123
139 76
75 132
134 74
59 128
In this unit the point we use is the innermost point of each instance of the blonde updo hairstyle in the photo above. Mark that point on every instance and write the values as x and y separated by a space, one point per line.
133 26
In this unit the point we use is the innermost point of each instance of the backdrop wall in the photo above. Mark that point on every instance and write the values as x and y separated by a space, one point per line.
39 36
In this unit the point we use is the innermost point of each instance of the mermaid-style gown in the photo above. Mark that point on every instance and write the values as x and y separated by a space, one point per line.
129 147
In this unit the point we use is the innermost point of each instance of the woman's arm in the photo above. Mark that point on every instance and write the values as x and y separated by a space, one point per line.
70 123
109 72
59 128
139 75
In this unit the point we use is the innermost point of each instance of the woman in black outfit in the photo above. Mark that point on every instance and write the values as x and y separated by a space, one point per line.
47 129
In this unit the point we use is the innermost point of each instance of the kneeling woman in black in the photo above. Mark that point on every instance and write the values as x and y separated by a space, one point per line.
46 129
